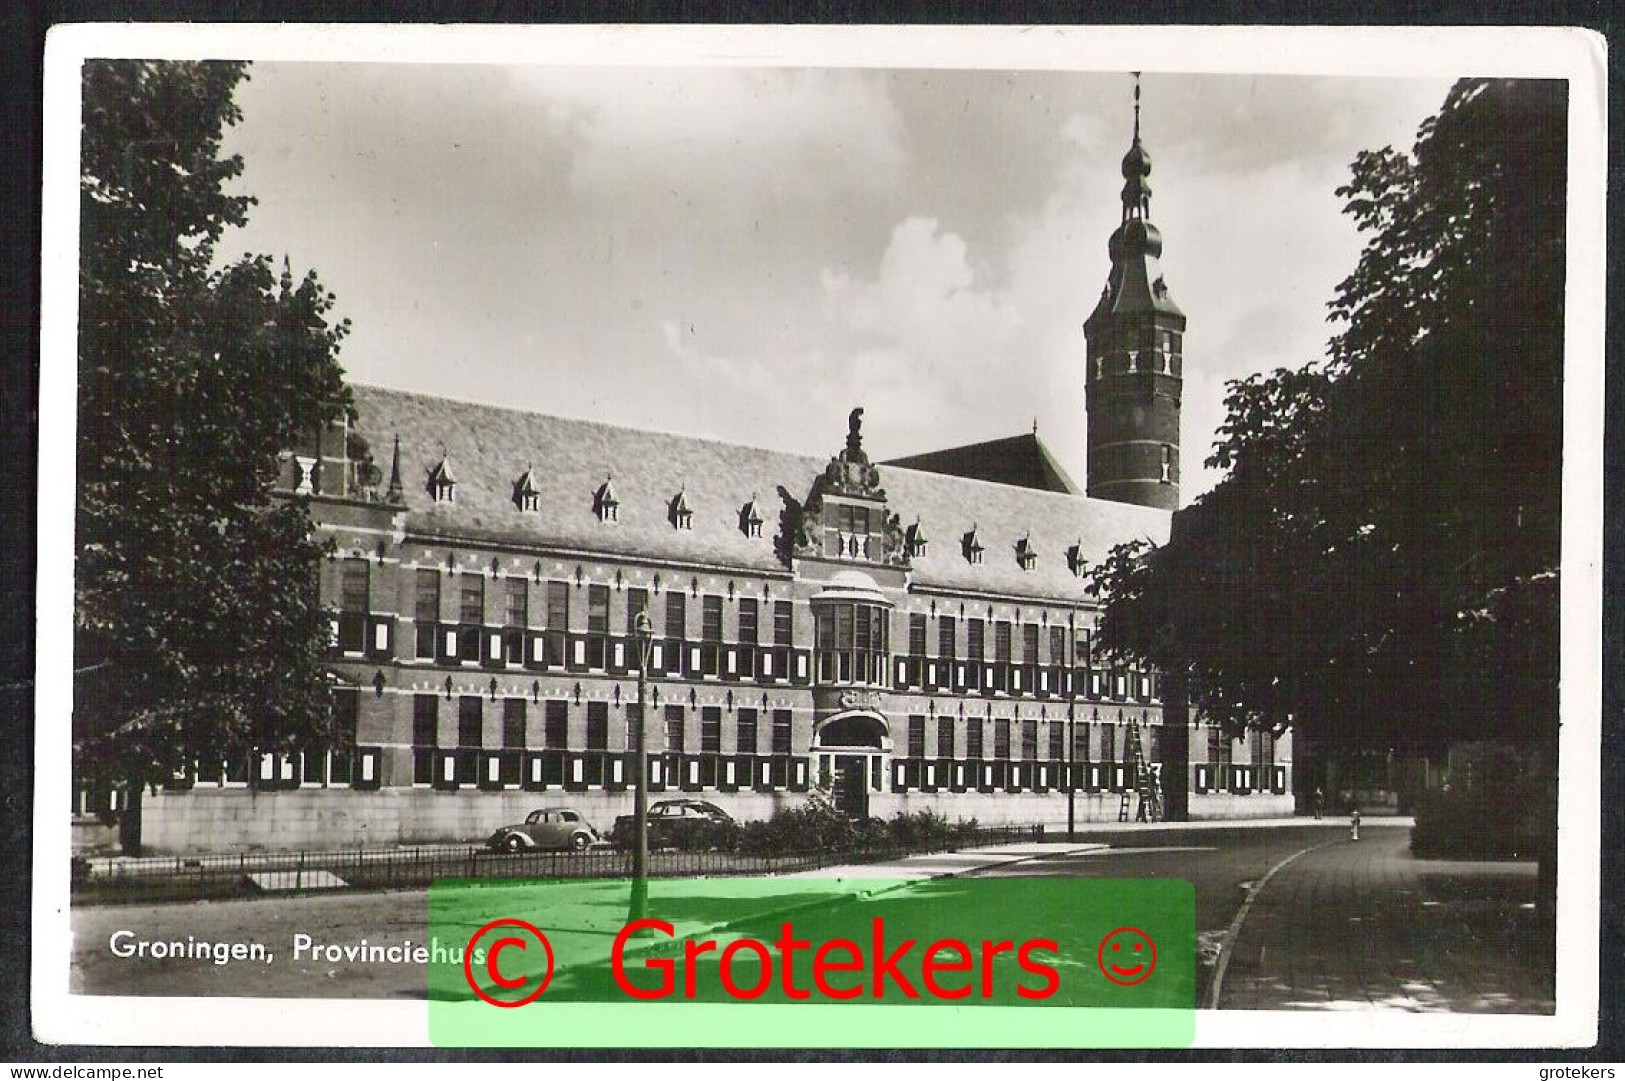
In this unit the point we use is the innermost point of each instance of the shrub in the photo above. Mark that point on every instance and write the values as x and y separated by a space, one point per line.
1456 824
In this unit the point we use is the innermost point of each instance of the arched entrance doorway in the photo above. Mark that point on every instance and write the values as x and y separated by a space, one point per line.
851 748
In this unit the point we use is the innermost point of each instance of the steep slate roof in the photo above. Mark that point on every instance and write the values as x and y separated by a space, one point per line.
1021 460
492 446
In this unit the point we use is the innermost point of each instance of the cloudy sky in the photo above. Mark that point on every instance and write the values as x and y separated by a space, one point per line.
747 253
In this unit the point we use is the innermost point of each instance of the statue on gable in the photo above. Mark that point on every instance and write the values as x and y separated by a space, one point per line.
854 437
850 472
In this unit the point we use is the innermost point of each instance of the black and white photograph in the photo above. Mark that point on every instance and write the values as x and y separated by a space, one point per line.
623 456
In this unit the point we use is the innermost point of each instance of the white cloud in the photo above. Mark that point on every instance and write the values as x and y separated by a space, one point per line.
752 136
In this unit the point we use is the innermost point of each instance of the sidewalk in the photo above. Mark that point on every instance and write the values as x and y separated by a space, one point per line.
1367 926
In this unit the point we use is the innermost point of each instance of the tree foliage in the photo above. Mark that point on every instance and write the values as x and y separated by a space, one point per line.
1382 555
198 626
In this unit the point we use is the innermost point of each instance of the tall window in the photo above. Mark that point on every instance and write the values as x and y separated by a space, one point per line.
598 609
353 578
426 610
973 640
471 598
1263 751
711 618
916 636
558 606
513 723
783 624
674 728
781 731
1029 741
945 637
556 725
597 647
851 640
1057 741
916 737
470 721
747 621
1108 743
710 729
1057 644
1029 643
425 736
1083 657
945 737
597 726
636 601
745 732
346 716
676 615
1001 739
518 602
1080 741
973 737
1001 641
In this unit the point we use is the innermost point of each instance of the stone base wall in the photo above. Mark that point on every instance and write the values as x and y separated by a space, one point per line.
1215 806
239 820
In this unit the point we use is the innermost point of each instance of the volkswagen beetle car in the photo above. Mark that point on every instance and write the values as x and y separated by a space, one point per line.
546 827
681 823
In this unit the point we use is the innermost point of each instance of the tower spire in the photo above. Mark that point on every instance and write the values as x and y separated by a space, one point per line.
1134 343
1136 106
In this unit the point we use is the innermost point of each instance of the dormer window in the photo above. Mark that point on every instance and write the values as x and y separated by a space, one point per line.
1074 559
604 504
677 512
527 495
442 486
750 519
915 540
1025 555
972 547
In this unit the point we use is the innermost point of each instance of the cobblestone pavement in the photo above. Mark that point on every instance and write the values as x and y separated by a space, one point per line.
1364 925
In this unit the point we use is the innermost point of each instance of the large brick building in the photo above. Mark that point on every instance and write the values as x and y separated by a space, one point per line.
917 634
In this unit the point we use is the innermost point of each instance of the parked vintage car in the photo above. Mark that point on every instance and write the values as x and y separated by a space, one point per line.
546 827
693 824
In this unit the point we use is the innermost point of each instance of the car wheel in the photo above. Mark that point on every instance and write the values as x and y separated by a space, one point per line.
580 841
514 843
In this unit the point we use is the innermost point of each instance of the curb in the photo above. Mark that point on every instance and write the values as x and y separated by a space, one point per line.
1233 932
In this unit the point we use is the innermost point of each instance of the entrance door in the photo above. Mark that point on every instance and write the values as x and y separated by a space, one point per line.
852 785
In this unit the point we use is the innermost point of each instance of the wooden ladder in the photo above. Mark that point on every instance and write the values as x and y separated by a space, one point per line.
1143 782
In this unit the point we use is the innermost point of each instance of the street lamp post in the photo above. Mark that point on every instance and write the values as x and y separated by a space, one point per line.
1071 729
643 630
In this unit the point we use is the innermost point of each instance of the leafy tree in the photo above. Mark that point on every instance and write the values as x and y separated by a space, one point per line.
198 625
1382 555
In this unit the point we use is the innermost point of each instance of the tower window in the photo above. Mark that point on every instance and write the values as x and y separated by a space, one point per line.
1167 476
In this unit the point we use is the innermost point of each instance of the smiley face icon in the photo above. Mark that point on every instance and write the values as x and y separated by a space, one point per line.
1127 956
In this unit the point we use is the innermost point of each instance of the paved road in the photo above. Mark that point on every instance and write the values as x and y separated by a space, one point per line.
1342 926
1365 926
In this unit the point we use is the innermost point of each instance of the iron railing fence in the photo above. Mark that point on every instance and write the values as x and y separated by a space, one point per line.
187 878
